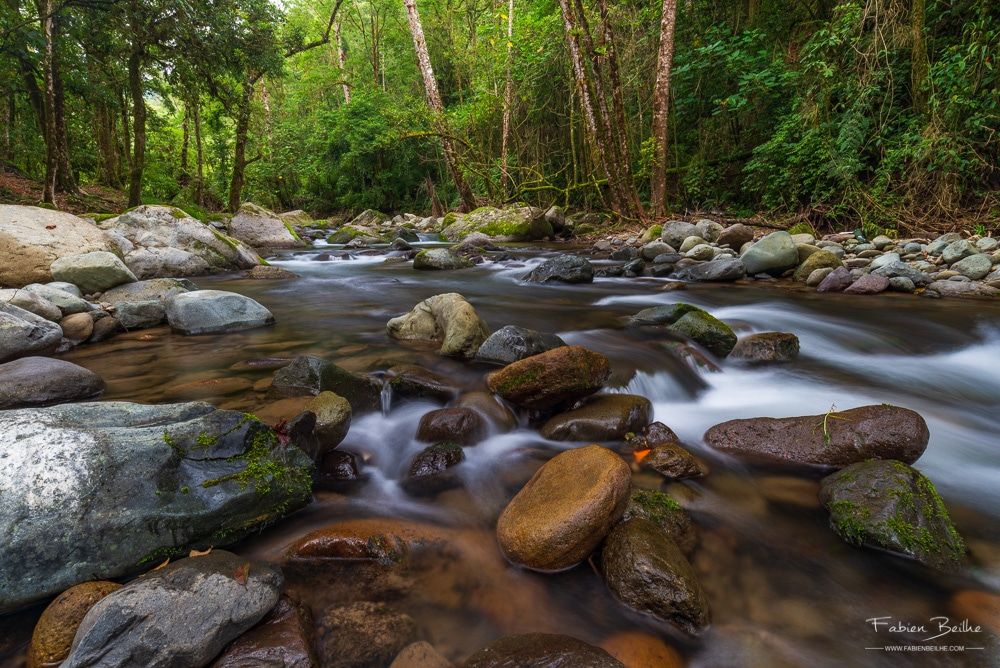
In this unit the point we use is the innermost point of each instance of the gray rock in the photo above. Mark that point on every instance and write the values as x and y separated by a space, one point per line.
140 315
709 230
114 488
40 381
902 270
702 252
885 259
735 236
974 267
773 255
313 376
32 302
901 284
511 343
817 275
958 250
654 249
68 303
215 312
180 616
913 247
261 228
141 291
676 231
987 244
881 241
937 246
766 347
24 333
722 269
954 289
92 272
869 284
439 259
690 243
563 269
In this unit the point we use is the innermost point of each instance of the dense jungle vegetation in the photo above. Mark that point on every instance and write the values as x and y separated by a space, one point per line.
878 112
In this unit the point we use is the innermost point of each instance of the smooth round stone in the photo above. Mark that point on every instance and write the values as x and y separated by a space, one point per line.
56 628
974 267
690 243
987 244
77 326
816 277
901 284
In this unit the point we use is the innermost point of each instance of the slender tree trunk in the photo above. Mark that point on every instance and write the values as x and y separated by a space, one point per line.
508 100
342 61
107 151
920 62
240 155
124 155
138 125
437 106
10 110
661 107
185 177
199 185
65 179
45 11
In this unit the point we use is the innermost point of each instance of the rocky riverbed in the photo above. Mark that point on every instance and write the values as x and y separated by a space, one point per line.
424 442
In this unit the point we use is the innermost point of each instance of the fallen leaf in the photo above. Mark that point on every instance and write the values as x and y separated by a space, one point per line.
242 573
163 565
199 553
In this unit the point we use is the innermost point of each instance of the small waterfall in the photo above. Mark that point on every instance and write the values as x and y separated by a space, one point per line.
386 397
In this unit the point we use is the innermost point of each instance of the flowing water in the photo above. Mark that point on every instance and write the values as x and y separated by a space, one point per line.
784 589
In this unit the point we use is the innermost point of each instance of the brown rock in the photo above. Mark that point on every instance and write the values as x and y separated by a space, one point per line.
869 284
333 419
283 638
77 327
674 462
463 426
57 626
979 607
561 515
420 655
541 650
264 272
735 236
487 405
282 410
822 442
636 649
609 417
362 635
551 379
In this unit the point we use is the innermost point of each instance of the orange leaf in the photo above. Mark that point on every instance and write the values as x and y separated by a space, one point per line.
242 573
163 565
197 553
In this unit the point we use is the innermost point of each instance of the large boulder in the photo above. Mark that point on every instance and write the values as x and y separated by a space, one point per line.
39 381
92 272
159 289
542 650
215 312
440 259
163 241
24 333
114 487
890 506
551 379
707 331
31 239
563 269
608 417
648 572
719 270
447 319
563 513
512 224
178 616
510 344
260 228
823 442
774 254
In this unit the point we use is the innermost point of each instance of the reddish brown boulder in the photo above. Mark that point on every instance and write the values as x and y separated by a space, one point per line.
551 379
283 638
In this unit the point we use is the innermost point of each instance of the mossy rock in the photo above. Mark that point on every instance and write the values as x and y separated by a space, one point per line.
891 506
665 513
707 331
511 224
345 235
663 315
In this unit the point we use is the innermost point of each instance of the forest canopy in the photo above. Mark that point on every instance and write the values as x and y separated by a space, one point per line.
878 112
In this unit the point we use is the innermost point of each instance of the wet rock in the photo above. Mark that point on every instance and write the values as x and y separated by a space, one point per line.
181 615
773 254
510 344
420 655
821 259
869 284
563 269
114 486
674 462
496 413
722 269
662 315
430 471
953 289
707 331
209 388
40 381
980 607
766 347
413 382
283 639
901 284
893 270
215 312
141 315
105 328
891 506
636 649
541 650
160 289
561 515
54 632
260 228
270 273
333 420
648 572
77 327
337 471
510 224
447 319
92 272
362 635
676 231
439 259
832 440
735 236
551 379
163 241
607 417
974 267
837 281
31 302
666 514
312 375
463 426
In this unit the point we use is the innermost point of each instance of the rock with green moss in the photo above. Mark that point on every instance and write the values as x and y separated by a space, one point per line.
346 235
440 259
522 223
658 508
888 505
553 379
707 331
115 488
261 228
662 315
822 259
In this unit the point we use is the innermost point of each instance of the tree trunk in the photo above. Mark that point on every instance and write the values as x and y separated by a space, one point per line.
199 185
45 11
437 106
138 124
107 151
10 110
124 155
240 155
185 177
342 61
508 99
65 179
920 62
661 106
